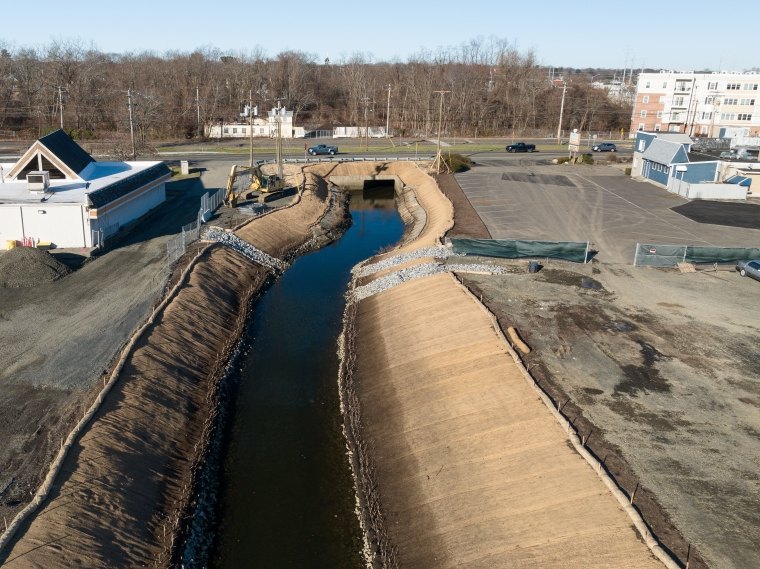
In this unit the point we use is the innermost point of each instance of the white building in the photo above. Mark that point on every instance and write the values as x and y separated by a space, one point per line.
697 104
262 128
359 132
85 201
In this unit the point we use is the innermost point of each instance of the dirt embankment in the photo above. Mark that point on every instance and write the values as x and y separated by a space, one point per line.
121 488
459 462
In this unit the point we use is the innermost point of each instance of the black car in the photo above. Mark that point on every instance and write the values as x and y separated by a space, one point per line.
604 147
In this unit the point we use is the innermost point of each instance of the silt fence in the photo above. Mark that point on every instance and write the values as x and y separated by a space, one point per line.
658 255
577 252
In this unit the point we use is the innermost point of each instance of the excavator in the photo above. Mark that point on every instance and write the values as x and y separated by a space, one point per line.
268 184
260 182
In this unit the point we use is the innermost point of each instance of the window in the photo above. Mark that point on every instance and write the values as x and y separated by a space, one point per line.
242 130
645 99
728 116
642 144
662 98
712 86
750 102
674 117
226 130
706 116
678 101
733 87
703 129
744 117
664 84
641 126
647 85
683 86
643 114
657 128
750 86
234 130
709 100
659 114
728 101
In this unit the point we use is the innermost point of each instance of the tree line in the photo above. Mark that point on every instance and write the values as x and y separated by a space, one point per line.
489 89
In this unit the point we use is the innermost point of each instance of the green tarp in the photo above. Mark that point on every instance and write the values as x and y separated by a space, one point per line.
654 255
522 249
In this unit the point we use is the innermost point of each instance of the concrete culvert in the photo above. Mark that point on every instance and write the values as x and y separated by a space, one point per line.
26 267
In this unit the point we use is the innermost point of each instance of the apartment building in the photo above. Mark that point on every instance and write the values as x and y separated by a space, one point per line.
697 104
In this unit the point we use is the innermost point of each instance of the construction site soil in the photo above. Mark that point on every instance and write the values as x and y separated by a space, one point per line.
655 369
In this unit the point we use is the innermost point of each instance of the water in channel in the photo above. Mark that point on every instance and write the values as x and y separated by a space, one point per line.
287 495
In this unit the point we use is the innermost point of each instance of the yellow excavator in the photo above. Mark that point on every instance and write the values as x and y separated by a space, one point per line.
260 182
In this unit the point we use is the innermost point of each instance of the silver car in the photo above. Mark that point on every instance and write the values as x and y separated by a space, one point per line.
749 269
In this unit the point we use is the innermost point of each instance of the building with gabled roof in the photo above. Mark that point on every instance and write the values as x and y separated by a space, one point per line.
82 202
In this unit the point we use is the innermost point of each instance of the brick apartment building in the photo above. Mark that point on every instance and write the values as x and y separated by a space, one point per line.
697 104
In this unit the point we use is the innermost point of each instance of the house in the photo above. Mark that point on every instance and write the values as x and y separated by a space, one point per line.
697 104
262 128
665 160
57 193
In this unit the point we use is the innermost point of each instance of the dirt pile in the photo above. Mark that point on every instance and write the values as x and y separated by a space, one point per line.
26 267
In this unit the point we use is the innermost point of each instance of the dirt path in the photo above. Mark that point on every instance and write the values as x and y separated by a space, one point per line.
122 486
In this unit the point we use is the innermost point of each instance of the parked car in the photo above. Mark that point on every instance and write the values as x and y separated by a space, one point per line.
604 147
749 269
323 149
521 147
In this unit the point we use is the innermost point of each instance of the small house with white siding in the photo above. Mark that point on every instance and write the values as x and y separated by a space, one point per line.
57 193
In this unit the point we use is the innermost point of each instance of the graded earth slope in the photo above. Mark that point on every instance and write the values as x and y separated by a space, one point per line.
122 485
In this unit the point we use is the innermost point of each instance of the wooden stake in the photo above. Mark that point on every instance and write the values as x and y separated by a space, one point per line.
634 492
688 555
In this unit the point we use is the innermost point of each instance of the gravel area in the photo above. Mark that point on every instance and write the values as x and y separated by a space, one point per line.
365 269
25 267
232 241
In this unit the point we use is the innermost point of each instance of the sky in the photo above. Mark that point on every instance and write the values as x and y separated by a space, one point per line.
647 34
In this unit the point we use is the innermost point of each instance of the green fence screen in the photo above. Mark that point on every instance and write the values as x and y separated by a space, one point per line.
656 255
523 249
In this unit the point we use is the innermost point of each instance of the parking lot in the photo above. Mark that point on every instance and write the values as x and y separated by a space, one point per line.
525 199
658 367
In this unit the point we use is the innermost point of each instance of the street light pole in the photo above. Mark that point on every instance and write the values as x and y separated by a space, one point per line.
131 124
438 157
388 114
561 111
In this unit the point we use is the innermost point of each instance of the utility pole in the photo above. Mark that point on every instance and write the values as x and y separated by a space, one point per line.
438 157
131 124
198 108
250 127
388 114
365 100
60 103
278 147
561 111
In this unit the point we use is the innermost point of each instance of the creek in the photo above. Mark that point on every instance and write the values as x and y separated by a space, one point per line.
286 492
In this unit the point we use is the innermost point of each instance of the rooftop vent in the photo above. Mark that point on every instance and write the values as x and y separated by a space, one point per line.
38 181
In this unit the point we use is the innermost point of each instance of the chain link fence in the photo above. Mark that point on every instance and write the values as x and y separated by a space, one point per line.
578 252
658 255
177 246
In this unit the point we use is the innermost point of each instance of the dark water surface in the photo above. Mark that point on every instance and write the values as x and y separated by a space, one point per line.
287 495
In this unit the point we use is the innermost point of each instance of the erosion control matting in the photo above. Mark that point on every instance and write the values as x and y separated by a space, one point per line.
732 214
472 468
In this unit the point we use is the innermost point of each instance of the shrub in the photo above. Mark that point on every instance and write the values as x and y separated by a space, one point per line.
627 171
456 162
562 160
586 159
